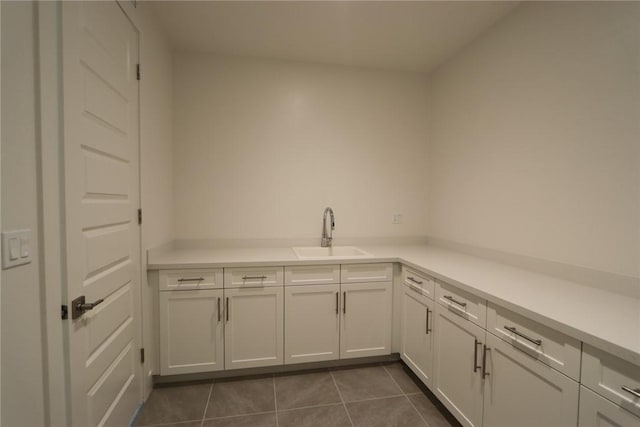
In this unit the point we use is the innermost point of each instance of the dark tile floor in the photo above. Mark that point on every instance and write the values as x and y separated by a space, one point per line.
371 395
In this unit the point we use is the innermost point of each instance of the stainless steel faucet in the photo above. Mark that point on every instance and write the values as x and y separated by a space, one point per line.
326 239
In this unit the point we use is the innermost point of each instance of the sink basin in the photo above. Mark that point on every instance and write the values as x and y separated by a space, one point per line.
334 252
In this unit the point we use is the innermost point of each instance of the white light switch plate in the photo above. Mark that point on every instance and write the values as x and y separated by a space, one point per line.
16 248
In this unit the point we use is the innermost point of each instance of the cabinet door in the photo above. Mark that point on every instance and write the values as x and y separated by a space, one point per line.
253 327
365 324
191 332
596 411
519 390
458 366
417 334
312 323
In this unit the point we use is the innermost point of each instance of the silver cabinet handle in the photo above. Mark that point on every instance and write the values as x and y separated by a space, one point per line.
254 277
484 362
190 279
218 309
344 303
227 309
635 392
452 299
337 303
475 354
520 334
428 328
414 280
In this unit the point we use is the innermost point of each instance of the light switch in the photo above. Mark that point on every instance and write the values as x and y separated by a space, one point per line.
16 248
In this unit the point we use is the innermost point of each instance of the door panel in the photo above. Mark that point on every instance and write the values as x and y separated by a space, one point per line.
417 334
101 190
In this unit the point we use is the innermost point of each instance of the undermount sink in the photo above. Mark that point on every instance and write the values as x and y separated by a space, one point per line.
333 252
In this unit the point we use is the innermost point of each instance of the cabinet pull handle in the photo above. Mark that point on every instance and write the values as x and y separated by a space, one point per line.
428 328
414 280
415 288
452 299
344 302
227 309
484 362
218 309
635 392
520 334
190 279
337 303
254 277
475 354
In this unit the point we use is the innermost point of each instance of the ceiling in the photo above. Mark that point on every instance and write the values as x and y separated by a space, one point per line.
411 36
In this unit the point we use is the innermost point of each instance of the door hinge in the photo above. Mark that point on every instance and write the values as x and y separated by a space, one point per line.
64 313
139 216
142 355
138 71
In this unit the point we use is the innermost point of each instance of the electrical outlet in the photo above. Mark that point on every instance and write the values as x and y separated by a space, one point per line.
397 218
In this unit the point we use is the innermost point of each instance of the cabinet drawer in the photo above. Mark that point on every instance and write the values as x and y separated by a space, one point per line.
596 411
419 282
176 280
611 377
311 275
540 342
253 277
462 303
362 273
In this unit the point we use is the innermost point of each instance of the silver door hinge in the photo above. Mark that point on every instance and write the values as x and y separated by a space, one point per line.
142 355
138 71
64 312
139 216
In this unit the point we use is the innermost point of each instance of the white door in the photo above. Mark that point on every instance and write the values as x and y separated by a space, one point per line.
191 331
312 323
365 326
101 192
253 333
520 390
458 366
596 411
417 334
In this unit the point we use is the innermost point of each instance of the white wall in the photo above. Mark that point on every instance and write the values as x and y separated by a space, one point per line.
22 349
535 137
262 147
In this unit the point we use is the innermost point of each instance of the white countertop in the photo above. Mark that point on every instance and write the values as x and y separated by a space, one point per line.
601 318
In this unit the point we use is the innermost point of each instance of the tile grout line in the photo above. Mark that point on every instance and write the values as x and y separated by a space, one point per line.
226 417
275 397
344 405
406 396
322 405
204 414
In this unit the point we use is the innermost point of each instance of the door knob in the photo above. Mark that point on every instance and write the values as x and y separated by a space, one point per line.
79 306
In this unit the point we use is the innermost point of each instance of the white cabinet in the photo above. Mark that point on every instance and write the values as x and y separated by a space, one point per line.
365 324
522 391
191 331
458 366
253 327
596 411
312 323
417 341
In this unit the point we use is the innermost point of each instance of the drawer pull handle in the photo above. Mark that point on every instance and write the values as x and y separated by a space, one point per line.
485 374
475 354
452 299
191 279
428 328
337 303
344 303
635 392
254 277
520 334
414 280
